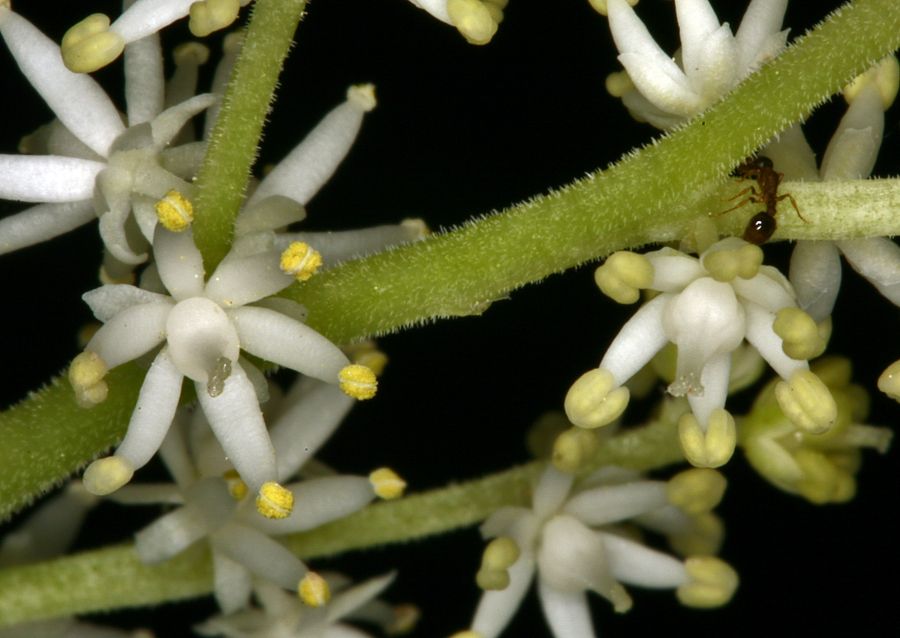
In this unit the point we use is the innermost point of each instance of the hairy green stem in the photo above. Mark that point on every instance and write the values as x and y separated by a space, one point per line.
114 577
235 139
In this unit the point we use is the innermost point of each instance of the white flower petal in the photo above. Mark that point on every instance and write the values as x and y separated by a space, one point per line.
169 535
47 178
352 599
791 155
282 340
816 276
762 20
263 556
232 583
199 335
496 608
340 246
144 81
131 333
716 67
179 262
108 301
42 222
657 81
147 494
149 16
168 123
714 379
638 341
238 423
573 558
244 280
318 501
696 23
609 504
153 412
551 491
567 613
761 335
854 147
76 98
769 289
878 260
636 564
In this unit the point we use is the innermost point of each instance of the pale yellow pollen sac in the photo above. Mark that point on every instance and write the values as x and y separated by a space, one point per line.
358 381
313 590
236 486
703 539
714 583
468 633
208 16
889 381
363 95
86 376
387 484
105 476
574 448
807 402
823 480
275 501
712 448
728 264
623 275
175 211
474 20
800 334
885 76
593 401
406 617
600 7
696 491
366 353
190 53
89 45
300 260
500 554
618 83
418 227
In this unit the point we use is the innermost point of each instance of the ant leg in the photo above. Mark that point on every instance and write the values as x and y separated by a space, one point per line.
749 189
793 203
749 200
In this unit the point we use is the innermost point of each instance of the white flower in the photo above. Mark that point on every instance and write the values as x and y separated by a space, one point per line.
202 327
93 43
711 61
560 540
217 505
94 165
707 307
284 615
476 20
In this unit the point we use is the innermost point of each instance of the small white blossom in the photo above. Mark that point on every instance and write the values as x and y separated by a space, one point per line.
283 615
571 542
91 163
202 327
666 91
707 307
217 505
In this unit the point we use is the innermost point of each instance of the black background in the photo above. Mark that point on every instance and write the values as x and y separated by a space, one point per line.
459 131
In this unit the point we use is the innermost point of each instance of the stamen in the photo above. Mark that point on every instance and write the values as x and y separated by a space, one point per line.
800 334
714 583
313 590
727 264
90 45
175 211
363 95
594 401
274 501
387 484
696 491
300 260
105 476
807 402
358 381
713 447
86 376
236 486
573 448
623 276
473 19
208 16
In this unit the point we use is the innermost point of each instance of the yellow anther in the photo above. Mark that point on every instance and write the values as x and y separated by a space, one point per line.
807 402
386 483
696 491
89 45
889 381
174 211
823 481
358 381
800 334
886 77
274 501
418 227
313 590
86 376
600 6
704 539
105 476
467 634
623 275
300 260
236 485
406 617
492 579
190 53
712 448
592 401
473 19
618 83
501 553
208 16
727 264
363 95
714 582
366 353
573 448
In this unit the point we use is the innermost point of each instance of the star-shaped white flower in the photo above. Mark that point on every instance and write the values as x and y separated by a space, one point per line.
666 91
570 541
202 327
707 307
91 163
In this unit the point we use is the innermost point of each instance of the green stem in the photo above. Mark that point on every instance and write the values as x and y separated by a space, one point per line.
113 577
232 148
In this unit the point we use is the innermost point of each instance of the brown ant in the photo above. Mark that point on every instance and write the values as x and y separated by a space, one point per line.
761 226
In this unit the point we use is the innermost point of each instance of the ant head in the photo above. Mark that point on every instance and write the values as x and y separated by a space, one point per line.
761 162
